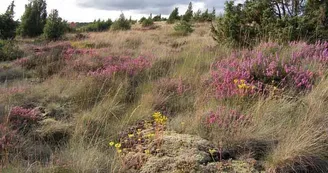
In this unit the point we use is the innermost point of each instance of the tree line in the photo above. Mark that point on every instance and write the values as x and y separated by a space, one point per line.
244 25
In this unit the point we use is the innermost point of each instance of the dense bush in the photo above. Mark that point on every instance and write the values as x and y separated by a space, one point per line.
249 23
9 51
147 22
34 19
183 28
55 27
121 24
7 23
205 16
97 26
174 16
189 13
263 69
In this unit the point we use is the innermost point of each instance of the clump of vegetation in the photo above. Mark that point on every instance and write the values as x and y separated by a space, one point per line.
174 16
147 22
205 16
97 26
55 26
183 28
9 51
121 24
7 23
242 26
34 19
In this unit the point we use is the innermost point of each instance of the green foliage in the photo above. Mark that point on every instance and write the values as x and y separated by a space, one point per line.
147 22
244 25
142 19
174 16
121 24
157 18
183 28
97 26
205 16
34 19
189 13
9 51
7 23
55 26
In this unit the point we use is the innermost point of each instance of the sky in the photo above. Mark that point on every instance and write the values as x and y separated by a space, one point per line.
88 10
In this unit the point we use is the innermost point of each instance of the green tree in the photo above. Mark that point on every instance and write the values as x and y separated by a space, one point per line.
148 22
157 18
174 16
33 19
183 28
213 15
55 26
189 13
283 21
197 16
142 19
7 23
121 24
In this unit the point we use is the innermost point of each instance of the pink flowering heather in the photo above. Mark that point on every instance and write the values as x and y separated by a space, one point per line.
112 65
20 116
256 69
21 62
69 52
12 90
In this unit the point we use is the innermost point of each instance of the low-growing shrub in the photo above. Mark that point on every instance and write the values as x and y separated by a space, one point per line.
147 22
252 72
121 24
9 51
183 28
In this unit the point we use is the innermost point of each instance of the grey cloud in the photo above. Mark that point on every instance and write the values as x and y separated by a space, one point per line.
146 6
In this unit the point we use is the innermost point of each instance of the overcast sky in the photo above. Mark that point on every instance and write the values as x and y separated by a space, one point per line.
88 10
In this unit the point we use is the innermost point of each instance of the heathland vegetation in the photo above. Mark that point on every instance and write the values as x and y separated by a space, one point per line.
243 91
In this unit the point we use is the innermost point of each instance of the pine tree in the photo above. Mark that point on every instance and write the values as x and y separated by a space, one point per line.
33 19
7 23
189 13
121 24
55 26
174 16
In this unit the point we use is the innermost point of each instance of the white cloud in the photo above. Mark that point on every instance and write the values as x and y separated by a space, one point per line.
71 11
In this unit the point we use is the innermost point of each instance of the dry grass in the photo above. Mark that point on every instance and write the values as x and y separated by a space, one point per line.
285 133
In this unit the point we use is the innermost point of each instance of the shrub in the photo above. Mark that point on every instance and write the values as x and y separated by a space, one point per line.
242 26
183 28
7 23
147 22
9 51
174 16
142 20
55 27
121 24
97 26
250 72
33 19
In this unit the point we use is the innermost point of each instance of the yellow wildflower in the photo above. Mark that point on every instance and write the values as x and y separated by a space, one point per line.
118 145
111 144
119 151
212 151
131 135
147 151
